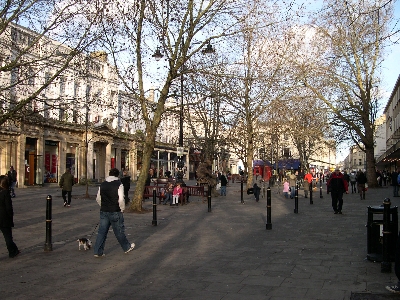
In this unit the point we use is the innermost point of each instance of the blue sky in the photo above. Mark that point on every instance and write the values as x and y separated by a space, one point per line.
391 70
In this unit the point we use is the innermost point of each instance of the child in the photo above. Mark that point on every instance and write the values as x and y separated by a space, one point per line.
176 193
286 188
168 193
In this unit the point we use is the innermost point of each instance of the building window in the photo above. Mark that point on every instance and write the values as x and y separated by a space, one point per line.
62 86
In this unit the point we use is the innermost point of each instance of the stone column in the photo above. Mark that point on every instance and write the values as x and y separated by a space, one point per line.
40 160
118 158
107 162
62 157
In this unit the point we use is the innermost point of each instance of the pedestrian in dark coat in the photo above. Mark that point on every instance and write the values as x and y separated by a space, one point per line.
6 216
224 182
66 182
361 181
337 185
126 182
12 179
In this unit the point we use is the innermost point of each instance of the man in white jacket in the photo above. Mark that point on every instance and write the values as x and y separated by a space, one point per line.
110 197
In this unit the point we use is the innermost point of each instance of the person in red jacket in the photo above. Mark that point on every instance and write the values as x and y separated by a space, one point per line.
308 179
337 186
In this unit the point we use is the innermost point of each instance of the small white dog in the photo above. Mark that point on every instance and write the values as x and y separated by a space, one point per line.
86 243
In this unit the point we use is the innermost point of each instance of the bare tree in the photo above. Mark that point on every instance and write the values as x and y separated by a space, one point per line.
179 30
263 79
40 39
341 67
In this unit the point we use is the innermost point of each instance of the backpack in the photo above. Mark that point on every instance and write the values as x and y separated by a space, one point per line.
398 179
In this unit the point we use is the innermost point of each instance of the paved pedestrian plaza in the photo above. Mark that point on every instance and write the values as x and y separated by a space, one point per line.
194 254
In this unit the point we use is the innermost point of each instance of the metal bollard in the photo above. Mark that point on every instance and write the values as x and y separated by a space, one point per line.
48 246
268 225
241 191
154 222
320 189
386 265
209 198
296 199
311 192
263 189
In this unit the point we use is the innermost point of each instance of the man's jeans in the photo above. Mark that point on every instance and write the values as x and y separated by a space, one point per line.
12 187
116 220
223 190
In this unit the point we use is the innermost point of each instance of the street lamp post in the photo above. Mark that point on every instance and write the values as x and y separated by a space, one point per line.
158 55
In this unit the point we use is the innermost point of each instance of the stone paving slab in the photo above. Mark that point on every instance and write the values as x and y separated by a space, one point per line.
195 254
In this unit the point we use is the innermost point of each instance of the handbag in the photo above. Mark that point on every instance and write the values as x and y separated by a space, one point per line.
290 189
250 191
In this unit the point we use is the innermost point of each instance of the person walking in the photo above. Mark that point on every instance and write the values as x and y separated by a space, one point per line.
126 182
257 181
337 185
12 180
6 217
292 183
286 188
361 181
110 197
395 184
66 182
224 182
353 182
308 179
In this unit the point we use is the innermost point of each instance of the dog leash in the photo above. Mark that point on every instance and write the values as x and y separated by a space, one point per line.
94 229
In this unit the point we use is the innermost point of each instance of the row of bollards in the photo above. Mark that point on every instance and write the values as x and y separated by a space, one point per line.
387 238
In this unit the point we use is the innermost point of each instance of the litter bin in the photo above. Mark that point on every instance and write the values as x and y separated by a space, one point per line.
375 235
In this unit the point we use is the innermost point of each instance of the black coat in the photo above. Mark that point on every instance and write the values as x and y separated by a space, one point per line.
224 181
6 209
126 182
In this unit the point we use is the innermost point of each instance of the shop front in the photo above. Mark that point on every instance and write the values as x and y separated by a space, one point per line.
51 154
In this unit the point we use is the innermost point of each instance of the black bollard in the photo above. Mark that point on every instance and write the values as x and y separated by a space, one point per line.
241 190
209 198
263 189
154 222
386 265
268 225
296 199
311 190
320 189
48 245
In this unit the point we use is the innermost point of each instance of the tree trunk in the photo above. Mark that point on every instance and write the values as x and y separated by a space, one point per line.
136 204
370 168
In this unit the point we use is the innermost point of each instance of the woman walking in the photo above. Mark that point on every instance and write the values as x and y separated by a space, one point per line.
6 217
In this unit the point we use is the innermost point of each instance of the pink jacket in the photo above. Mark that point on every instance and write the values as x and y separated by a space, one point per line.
177 191
286 187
